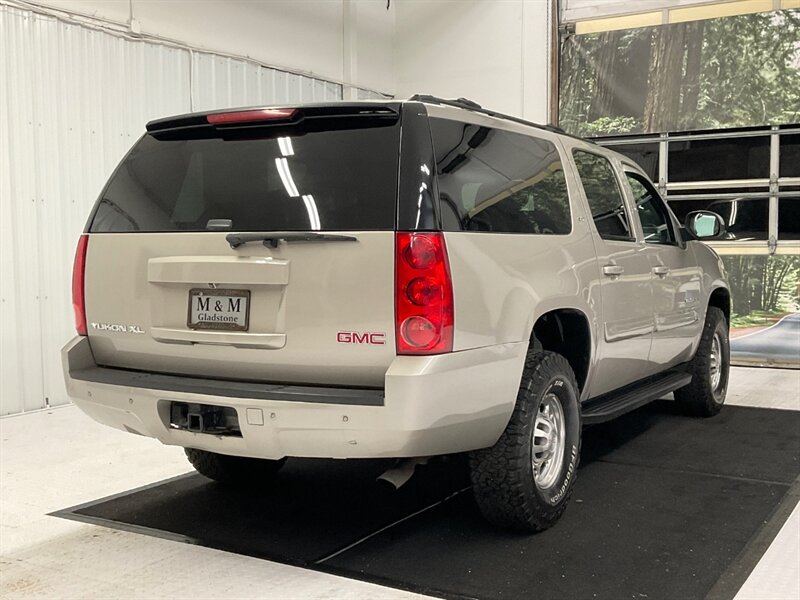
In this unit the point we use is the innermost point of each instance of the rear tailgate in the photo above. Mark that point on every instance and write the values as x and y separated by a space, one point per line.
167 292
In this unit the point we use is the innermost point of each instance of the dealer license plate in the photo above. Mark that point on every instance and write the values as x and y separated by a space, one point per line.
219 309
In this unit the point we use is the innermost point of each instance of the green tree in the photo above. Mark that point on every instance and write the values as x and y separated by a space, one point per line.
779 280
750 72
762 283
727 72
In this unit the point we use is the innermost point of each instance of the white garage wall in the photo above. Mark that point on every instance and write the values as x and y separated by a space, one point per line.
493 52
307 36
72 101
219 81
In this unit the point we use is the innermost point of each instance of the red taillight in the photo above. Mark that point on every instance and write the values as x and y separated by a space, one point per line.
251 116
78 273
423 294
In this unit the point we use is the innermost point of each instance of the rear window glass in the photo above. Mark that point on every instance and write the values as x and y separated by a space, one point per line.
498 181
342 179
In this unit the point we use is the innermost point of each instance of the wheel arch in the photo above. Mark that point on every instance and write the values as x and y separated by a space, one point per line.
566 331
720 298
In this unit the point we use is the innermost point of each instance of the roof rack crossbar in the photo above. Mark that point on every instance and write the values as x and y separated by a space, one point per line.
475 107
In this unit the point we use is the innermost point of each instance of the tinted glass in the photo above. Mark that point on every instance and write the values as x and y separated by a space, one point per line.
644 155
652 211
789 218
744 219
790 155
417 207
326 180
709 160
498 181
604 196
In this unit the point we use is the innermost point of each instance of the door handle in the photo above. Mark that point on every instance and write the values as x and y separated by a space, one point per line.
661 271
613 270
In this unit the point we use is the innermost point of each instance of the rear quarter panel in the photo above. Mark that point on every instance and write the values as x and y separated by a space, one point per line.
503 282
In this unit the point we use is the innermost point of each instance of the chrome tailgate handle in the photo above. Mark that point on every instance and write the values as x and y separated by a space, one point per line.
263 341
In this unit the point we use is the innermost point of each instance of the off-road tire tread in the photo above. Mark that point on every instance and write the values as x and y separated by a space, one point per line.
232 470
500 478
696 398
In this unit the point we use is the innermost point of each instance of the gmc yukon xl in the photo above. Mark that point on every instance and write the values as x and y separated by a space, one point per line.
390 279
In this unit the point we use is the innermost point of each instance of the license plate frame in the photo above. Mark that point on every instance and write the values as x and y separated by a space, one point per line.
215 325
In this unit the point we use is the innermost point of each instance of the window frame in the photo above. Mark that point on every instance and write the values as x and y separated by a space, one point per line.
672 221
632 226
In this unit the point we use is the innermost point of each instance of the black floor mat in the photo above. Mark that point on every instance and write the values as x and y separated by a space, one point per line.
663 505
316 508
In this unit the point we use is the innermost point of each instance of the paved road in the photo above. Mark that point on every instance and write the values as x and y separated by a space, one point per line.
779 344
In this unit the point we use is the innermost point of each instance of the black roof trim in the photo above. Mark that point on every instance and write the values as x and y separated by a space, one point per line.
467 104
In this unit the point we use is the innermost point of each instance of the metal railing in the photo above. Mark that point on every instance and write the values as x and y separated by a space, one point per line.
772 186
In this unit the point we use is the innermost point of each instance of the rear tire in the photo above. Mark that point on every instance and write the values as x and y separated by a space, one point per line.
705 394
233 470
525 480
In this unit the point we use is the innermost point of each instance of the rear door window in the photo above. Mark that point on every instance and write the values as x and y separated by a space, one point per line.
338 179
498 181
604 196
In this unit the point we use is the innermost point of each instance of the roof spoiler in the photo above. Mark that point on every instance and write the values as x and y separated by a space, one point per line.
272 115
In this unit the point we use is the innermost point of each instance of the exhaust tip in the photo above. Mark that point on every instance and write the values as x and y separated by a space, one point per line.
398 475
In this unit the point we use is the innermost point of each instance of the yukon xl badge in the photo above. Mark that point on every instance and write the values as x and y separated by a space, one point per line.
117 328
353 337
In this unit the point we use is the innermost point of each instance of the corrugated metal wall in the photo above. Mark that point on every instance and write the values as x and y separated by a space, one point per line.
72 101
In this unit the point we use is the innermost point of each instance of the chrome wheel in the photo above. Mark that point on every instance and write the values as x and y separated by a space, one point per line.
715 362
547 454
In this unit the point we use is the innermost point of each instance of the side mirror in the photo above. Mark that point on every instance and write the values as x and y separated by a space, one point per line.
705 225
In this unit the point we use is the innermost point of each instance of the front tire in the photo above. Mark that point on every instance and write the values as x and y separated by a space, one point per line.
233 470
704 396
525 480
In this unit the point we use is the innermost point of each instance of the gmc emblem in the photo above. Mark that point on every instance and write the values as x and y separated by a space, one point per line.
353 337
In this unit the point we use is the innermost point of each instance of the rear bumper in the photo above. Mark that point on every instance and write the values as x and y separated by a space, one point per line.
430 405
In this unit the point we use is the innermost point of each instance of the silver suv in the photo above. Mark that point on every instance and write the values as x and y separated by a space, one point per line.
394 279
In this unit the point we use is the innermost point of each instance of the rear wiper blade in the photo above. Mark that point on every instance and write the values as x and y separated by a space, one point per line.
272 239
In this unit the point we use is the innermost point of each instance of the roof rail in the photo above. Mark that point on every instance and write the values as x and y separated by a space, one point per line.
475 107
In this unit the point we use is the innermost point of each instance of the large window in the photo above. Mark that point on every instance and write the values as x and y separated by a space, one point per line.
751 178
720 159
718 73
789 218
497 181
644 155
604 196
790 155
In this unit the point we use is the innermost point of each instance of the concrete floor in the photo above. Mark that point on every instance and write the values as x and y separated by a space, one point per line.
57 458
